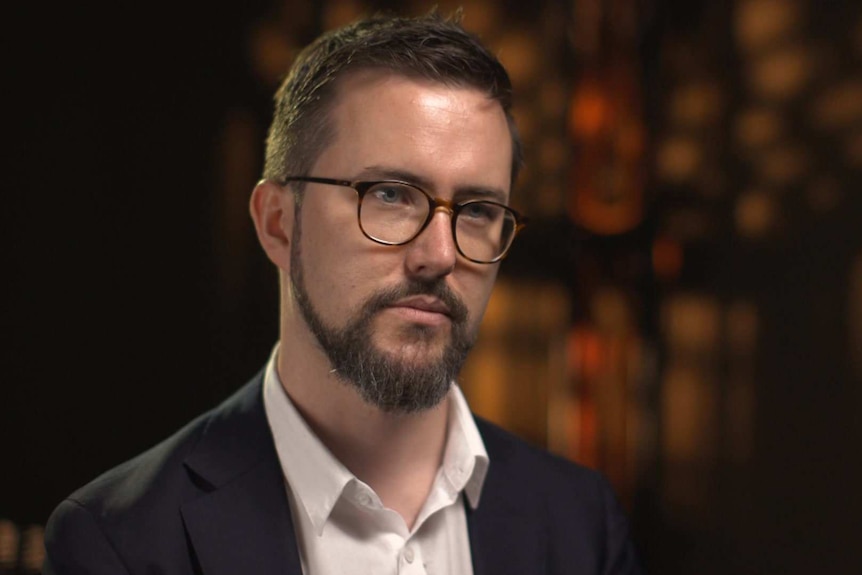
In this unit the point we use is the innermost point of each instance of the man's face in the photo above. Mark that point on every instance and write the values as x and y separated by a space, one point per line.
397 322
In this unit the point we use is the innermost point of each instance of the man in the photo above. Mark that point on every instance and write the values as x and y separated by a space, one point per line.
384 205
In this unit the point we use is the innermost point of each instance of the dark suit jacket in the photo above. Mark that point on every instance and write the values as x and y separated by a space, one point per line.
211 499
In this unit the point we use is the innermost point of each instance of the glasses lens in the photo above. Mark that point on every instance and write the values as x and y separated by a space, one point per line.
484 230
392 212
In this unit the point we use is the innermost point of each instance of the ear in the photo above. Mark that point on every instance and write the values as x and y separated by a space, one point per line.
273 210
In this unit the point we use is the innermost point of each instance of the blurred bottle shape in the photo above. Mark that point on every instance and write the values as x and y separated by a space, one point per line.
10 539
22 551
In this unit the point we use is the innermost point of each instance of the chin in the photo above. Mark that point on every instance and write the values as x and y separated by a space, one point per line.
422 341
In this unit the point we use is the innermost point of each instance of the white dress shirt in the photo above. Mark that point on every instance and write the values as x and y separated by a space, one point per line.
341 524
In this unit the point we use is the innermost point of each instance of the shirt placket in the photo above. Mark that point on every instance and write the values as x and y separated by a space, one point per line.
410 560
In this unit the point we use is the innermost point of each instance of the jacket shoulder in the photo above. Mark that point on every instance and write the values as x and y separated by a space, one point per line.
121 488
532 464
581 524
137 504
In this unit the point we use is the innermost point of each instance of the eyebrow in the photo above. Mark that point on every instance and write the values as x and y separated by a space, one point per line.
470 192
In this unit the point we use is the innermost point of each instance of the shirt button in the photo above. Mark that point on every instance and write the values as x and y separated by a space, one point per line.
365 499
408 555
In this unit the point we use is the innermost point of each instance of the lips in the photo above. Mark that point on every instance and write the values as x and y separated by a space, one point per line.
424 304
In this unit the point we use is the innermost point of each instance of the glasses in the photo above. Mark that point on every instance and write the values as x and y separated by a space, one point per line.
394 213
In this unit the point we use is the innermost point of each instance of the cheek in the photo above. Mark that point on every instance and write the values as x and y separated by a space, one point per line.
477 287
320 249
341 267
327 269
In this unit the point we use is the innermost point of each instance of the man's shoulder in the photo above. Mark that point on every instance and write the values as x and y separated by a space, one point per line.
553 506
126 485
560 490
138 513
157 479
524 459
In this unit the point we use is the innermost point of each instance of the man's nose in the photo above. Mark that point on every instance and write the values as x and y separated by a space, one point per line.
433 254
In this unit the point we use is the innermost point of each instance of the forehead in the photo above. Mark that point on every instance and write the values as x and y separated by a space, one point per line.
441 132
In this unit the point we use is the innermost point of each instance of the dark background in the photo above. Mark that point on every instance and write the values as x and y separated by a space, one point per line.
110 240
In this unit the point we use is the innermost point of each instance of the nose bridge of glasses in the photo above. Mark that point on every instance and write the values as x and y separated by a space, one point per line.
438 204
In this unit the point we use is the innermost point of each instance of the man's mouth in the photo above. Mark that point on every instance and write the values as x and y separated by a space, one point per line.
423 309
424 303
431 304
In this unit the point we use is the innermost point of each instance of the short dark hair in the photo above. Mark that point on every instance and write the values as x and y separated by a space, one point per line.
428 47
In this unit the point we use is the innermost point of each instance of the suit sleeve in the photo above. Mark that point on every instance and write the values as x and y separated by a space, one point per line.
75 545
620 558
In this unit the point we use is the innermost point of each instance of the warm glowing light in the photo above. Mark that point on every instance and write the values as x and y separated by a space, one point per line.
272 52
590 110
760 23
519 53
755 214
757 127
586 352
338 13
9 539
513 347
481 17
32 549
695 104
784 164
781 74
667 258
630 141
691 323
611 311
678 159
838 106
689 407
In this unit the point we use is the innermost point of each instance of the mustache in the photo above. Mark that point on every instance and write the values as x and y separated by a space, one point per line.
438 289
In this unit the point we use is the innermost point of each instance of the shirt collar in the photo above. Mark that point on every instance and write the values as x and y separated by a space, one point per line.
315 476
318 479
465 461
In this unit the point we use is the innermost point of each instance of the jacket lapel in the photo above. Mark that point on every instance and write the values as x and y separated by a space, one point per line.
241 522
506 535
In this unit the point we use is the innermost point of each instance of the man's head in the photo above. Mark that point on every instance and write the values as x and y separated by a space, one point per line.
378 102
429 48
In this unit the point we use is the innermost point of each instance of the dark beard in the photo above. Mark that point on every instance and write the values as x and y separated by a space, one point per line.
388 381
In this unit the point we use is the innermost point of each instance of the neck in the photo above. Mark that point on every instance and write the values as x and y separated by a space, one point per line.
397 455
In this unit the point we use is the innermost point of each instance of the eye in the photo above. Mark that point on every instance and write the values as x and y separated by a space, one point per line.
481 212
388 193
